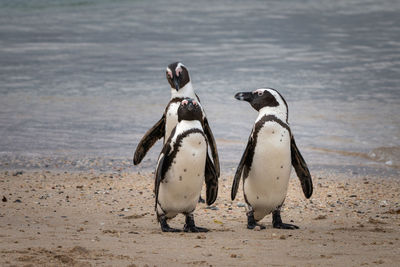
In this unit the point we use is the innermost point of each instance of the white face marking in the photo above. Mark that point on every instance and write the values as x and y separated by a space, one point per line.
169 72
260 91
277 96
279 111
178 69
273 92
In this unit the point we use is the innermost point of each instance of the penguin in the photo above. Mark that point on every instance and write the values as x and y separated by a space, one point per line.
182 168
181 87
267 160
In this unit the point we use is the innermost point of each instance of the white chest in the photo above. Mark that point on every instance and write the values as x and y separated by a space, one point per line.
266 185
181 188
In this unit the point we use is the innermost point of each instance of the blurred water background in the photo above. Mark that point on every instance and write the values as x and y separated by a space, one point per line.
81 81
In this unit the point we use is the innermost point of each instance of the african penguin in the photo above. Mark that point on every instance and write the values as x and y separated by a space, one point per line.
182 168
181 87
267 160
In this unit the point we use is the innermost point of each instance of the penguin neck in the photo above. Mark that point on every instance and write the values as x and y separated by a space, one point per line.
186 91
279 112
185 125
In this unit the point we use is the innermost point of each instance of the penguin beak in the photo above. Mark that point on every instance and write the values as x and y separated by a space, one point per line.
175 80
190 106
244 96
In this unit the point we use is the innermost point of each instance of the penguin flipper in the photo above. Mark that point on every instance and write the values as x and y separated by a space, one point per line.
159 177
211 180
239 170
301 169
160 169
213 145
164 160
148 140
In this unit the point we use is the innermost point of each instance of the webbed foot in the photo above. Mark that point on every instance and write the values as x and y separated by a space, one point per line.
251 222
282 225
170 230
165 227
195 229
191 227
277 221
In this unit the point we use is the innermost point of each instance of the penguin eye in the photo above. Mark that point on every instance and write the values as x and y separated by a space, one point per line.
184 102
259 92
194 102
169 73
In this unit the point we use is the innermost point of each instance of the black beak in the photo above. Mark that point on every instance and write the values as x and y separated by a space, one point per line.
244 96
175 80
190 106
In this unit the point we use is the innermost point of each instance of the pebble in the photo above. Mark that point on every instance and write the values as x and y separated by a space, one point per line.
257 228
4 199
320 217
241 205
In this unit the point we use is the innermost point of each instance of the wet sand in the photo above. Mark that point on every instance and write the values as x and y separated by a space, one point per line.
91 219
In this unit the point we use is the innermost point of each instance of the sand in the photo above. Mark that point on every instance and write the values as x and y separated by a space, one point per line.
100 219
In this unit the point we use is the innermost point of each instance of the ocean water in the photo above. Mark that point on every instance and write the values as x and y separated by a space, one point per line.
81 81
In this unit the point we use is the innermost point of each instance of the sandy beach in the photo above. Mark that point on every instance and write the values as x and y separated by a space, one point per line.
82 82
50 218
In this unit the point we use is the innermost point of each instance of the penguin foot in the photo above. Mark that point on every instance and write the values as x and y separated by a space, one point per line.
191 227
194 229
277 221
170 229
201 200
251 222
165 227
281 225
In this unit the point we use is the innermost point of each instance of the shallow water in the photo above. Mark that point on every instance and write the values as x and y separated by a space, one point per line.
81 81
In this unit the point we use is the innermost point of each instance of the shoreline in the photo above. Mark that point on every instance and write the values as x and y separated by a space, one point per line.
120 164
89 219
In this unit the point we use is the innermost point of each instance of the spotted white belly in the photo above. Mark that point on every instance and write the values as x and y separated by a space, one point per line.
181 188
266 186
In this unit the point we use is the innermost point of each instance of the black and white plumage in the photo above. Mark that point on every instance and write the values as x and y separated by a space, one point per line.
267 160
181 88
182 168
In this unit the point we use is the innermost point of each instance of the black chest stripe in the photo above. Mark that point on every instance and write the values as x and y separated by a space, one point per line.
173 100
257 128
170 158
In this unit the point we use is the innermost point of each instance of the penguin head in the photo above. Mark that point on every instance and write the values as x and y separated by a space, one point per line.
177 75
259 98
189 110
266 97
